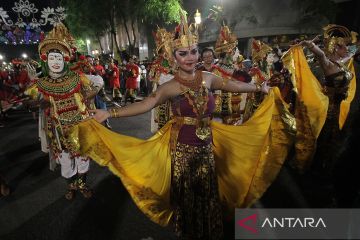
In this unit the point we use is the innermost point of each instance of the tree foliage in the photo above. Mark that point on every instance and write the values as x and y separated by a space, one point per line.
163 10
91 18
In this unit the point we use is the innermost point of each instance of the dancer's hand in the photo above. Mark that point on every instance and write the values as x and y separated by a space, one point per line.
265 88
31 70
99 115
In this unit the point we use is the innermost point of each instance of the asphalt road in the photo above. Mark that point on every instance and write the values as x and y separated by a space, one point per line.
37 209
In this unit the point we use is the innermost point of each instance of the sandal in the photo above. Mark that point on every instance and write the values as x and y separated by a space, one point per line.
87 193
70 194
83 188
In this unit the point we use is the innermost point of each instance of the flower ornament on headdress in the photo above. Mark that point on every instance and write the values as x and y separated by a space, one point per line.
56 39
337 35
259 50
185 35
226 41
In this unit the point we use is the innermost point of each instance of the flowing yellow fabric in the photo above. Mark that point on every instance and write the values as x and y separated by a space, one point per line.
310 109
248 157
308 88
144 166
345 104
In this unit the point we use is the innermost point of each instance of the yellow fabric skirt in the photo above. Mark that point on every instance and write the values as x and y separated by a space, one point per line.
248 157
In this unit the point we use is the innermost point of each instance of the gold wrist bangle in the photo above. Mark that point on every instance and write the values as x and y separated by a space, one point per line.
113 113
257 87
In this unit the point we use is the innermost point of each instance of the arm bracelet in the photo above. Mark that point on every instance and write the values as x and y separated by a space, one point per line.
113 113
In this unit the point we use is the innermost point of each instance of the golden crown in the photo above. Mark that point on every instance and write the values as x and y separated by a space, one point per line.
259 50
337 35
58 39
163 40
185 35
226 41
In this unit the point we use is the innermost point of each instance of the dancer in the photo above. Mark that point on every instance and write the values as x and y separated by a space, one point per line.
187 169
63 95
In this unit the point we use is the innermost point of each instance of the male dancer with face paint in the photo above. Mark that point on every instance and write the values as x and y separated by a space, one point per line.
63 95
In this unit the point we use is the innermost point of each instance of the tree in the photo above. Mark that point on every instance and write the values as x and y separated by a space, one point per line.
93 18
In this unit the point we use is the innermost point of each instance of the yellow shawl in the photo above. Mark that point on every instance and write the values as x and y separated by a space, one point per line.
248 157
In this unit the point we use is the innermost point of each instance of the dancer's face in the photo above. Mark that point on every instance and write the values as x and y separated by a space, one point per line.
55 62
187 58
208 57
341 50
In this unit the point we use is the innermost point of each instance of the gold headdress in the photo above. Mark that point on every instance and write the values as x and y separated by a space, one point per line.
226 41
259 50
57 39
185 35
163 40
337 35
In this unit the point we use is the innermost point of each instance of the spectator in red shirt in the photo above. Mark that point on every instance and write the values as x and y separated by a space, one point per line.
115 81
132 73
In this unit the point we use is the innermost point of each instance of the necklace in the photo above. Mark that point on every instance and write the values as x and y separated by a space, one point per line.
197 95
61 87
193 83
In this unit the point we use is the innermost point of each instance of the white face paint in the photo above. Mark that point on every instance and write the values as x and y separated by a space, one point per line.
271 58
55 62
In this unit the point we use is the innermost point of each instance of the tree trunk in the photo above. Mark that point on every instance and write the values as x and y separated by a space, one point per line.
127 33
116 43
98 38
133 31
112 43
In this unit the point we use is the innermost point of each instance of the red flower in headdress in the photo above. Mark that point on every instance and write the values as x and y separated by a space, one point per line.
43 57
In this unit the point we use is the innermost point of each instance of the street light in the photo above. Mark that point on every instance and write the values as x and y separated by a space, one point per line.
1 57
197 17
24 55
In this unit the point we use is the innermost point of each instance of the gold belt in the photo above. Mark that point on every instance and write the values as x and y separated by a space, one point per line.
202 131
192 121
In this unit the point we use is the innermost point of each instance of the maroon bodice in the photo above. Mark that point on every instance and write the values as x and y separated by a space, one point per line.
181 107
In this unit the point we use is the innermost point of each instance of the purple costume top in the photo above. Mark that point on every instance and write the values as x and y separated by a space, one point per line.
181 107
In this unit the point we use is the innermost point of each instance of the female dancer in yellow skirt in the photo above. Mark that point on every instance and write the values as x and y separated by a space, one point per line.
192 165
